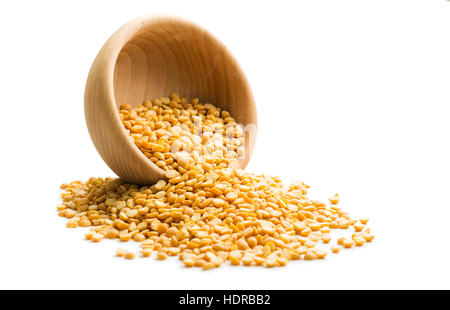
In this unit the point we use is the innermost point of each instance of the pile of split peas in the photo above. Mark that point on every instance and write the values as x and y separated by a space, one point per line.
207 211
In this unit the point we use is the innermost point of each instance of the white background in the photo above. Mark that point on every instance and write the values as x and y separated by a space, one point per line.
353 97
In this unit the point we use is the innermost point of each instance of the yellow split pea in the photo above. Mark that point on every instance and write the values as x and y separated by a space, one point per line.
206 211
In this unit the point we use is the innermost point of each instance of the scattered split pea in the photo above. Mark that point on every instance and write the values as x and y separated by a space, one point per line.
207 211
129 255
335 248
335 199
121 252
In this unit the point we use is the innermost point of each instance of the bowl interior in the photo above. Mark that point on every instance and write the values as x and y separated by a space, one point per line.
165 56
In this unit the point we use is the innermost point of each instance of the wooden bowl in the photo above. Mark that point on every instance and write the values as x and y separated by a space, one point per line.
153 57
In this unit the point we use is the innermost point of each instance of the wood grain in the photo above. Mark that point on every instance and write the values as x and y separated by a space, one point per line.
153 57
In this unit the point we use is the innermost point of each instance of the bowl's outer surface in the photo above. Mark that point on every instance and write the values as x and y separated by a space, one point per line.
153 57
